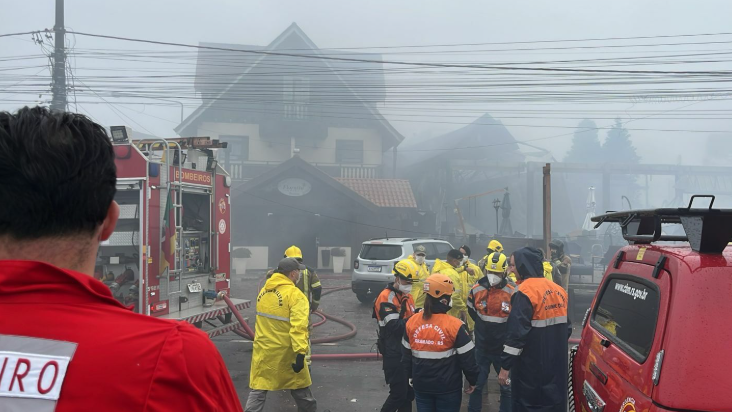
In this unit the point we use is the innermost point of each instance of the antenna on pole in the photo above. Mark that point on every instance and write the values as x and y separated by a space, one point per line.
59 60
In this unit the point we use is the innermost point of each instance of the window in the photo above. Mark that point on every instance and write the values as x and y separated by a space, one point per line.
442 249
381 252
296 96
238 148
626 314
349 151
435 250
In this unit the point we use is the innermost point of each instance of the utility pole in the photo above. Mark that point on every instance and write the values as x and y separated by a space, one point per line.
547 206
59 60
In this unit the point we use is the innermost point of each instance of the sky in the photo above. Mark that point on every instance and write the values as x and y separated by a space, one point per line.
352 24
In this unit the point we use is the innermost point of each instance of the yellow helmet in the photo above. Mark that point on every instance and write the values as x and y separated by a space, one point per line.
293 252
497 262
438 285
406 269
495 245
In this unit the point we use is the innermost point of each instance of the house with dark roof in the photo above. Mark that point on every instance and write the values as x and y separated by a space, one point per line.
478 161
299 204
290 96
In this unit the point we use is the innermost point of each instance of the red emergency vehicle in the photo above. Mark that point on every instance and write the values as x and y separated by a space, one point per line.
657 335
170 253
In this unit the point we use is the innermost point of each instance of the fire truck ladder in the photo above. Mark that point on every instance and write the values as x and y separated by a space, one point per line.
176 196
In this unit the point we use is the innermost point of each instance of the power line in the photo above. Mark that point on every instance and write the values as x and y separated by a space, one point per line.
395 62
19 34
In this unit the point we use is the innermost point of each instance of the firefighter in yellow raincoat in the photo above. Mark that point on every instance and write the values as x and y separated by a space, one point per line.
460 296
281 340
418 257
470 274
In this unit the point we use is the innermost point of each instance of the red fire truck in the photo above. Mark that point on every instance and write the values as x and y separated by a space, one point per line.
170 254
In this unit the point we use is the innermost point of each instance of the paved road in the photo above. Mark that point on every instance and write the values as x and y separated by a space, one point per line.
339 386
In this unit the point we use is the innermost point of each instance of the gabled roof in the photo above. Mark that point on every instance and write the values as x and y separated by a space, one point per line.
259 53
306 168
216 68
486 137
383 192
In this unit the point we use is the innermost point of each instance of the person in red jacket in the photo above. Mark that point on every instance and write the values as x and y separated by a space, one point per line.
66 344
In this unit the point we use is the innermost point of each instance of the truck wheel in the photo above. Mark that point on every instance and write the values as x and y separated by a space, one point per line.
365 297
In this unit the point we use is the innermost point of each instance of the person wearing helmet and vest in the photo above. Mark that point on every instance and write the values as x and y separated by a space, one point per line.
309 282
281 340
535 351
419 256
438 351
489 304
393 307
494 246
561 262
460 296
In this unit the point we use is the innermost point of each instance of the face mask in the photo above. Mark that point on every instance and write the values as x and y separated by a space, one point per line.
405 288
464 261
299 275
493 279
441 307
419 259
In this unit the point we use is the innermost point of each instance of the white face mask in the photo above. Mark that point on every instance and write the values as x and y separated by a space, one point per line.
405 288
493 279
299 275
419 259
464 261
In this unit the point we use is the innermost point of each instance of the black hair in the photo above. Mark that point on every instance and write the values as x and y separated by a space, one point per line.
455 254
57 174
427 310
429 302
466 249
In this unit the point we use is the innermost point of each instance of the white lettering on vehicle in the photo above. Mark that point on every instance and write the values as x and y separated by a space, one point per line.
30 375
631 291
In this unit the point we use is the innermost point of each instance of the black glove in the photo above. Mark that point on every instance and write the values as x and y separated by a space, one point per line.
299 363
403 310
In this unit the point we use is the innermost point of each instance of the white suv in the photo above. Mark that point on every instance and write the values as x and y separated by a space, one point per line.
372 268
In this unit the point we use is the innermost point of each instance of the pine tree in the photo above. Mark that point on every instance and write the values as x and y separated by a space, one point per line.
586 147
618 147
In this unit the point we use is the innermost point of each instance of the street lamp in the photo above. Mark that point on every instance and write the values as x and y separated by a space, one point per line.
496 205
118 94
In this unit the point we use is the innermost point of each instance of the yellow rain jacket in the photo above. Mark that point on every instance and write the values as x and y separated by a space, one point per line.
281 333
470 281
548 271
460 296
418 286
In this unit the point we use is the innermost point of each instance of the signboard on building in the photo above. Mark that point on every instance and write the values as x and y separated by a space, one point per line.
294 187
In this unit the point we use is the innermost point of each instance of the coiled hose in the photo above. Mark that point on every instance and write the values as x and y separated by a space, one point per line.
248 333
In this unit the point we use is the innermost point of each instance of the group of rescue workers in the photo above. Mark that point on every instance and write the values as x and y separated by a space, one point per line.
57 181
460 318
510 305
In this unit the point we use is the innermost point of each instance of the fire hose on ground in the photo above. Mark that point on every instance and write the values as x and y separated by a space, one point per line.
248 333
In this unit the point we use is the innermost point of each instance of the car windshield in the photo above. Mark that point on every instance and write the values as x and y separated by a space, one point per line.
381 252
